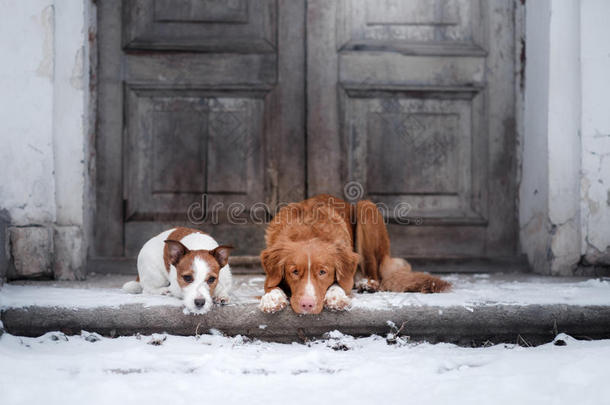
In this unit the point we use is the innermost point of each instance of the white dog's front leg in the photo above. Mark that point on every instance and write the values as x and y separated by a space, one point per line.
157 290
336 299
275 300
223 288
174 288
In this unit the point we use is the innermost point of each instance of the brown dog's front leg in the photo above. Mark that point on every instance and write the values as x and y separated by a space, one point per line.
273 301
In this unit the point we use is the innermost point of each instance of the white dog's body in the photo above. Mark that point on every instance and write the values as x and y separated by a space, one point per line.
155 278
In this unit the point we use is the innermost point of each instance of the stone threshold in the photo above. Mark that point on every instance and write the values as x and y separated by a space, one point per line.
481 309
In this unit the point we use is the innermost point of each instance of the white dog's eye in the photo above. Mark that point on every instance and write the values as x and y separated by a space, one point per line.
187 278
211 280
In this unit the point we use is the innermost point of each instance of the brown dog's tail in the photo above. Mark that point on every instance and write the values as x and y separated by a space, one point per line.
373 246
397 276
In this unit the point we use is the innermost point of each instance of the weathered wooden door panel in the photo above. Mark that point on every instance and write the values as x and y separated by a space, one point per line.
201 25
180 148
421 27
201 109
418 116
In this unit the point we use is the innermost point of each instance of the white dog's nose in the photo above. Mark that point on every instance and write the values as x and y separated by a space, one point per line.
199 302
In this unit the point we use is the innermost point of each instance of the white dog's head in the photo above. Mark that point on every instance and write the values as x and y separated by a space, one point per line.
197 273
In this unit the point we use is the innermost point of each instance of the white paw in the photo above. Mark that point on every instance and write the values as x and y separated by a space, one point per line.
223 300
367 285
336 300
157 291
275 300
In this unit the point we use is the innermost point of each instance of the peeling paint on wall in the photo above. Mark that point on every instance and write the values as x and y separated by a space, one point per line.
45 68
595 171
76 79
42 158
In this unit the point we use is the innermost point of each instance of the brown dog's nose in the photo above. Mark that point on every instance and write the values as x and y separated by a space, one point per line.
306 303
199 302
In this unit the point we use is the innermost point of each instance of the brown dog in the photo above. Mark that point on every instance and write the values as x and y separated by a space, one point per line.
310 256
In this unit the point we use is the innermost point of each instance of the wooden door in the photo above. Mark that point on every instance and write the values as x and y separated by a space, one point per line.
201 119
252 103
411 105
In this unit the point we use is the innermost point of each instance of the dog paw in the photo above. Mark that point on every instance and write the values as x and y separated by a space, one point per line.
367 285
165 291
224 300
435 285
274 301
336 300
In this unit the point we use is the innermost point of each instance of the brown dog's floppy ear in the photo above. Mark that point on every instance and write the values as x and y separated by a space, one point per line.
270 259
176 251
221 254
345 268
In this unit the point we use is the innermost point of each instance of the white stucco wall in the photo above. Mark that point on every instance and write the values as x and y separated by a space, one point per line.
595 131
533 189
564 136
564 191
70 101
27 183
44 79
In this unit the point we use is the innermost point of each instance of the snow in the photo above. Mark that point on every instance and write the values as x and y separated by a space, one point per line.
213 369
482 290
468 292
16 296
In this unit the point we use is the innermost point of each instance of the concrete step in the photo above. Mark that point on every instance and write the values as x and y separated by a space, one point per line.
480 309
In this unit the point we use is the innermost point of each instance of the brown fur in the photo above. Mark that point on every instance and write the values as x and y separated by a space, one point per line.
321 231
373 245
317 230
182 258
178 234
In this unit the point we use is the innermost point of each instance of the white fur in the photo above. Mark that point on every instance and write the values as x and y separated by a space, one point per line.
275 300
225 282
155 279
336 299
366 284
132 287
309 289
199 288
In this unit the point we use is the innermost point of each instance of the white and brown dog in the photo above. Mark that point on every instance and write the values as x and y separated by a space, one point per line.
186 263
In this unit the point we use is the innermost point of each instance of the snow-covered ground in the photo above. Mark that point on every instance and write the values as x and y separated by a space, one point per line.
212 369
468 291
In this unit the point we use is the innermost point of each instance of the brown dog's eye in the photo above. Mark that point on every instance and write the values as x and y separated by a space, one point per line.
295 272
188 278
211 280
322 272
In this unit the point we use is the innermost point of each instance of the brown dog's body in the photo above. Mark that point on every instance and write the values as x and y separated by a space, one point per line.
315 247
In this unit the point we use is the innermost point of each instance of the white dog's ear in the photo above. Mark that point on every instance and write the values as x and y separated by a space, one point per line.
221 254
175 251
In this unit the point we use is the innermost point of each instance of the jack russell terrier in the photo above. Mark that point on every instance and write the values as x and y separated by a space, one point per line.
186 263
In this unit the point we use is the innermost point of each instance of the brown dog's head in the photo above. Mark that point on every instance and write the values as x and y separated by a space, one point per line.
309 268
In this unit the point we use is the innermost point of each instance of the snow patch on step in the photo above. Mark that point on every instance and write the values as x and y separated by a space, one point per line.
473 292
469 292
17 296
